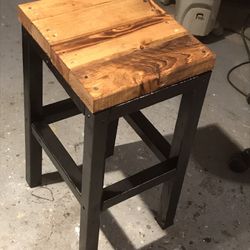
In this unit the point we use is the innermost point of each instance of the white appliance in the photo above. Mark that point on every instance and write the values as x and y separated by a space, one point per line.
198 16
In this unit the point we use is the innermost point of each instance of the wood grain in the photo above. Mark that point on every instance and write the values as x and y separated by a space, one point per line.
112 51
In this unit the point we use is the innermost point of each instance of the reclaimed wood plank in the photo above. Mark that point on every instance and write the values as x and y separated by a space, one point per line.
116 42
75 22
104 84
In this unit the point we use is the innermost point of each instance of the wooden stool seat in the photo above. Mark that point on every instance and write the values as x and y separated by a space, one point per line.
112 51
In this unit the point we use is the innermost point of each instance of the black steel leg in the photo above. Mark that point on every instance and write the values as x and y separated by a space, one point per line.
32 70
112 131
95 141
186 125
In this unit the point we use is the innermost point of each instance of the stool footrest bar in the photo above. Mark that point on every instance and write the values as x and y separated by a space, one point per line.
59 110
149 134
138 183
65 165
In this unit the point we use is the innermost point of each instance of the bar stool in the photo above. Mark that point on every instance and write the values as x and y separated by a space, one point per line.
113 58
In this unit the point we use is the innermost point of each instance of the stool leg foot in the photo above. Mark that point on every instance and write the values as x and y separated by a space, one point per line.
95 142
32 69
112 131
185 129
163 221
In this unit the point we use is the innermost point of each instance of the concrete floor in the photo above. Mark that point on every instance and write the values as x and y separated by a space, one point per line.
214 210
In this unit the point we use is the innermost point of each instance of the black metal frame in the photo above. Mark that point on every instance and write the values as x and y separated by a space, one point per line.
86 182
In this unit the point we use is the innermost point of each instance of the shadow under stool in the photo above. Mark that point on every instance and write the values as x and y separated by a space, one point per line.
113 58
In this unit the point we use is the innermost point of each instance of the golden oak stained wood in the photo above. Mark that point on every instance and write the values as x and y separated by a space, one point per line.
112 51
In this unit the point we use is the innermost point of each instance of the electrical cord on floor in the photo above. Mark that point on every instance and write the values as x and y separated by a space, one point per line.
240 162
244 39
